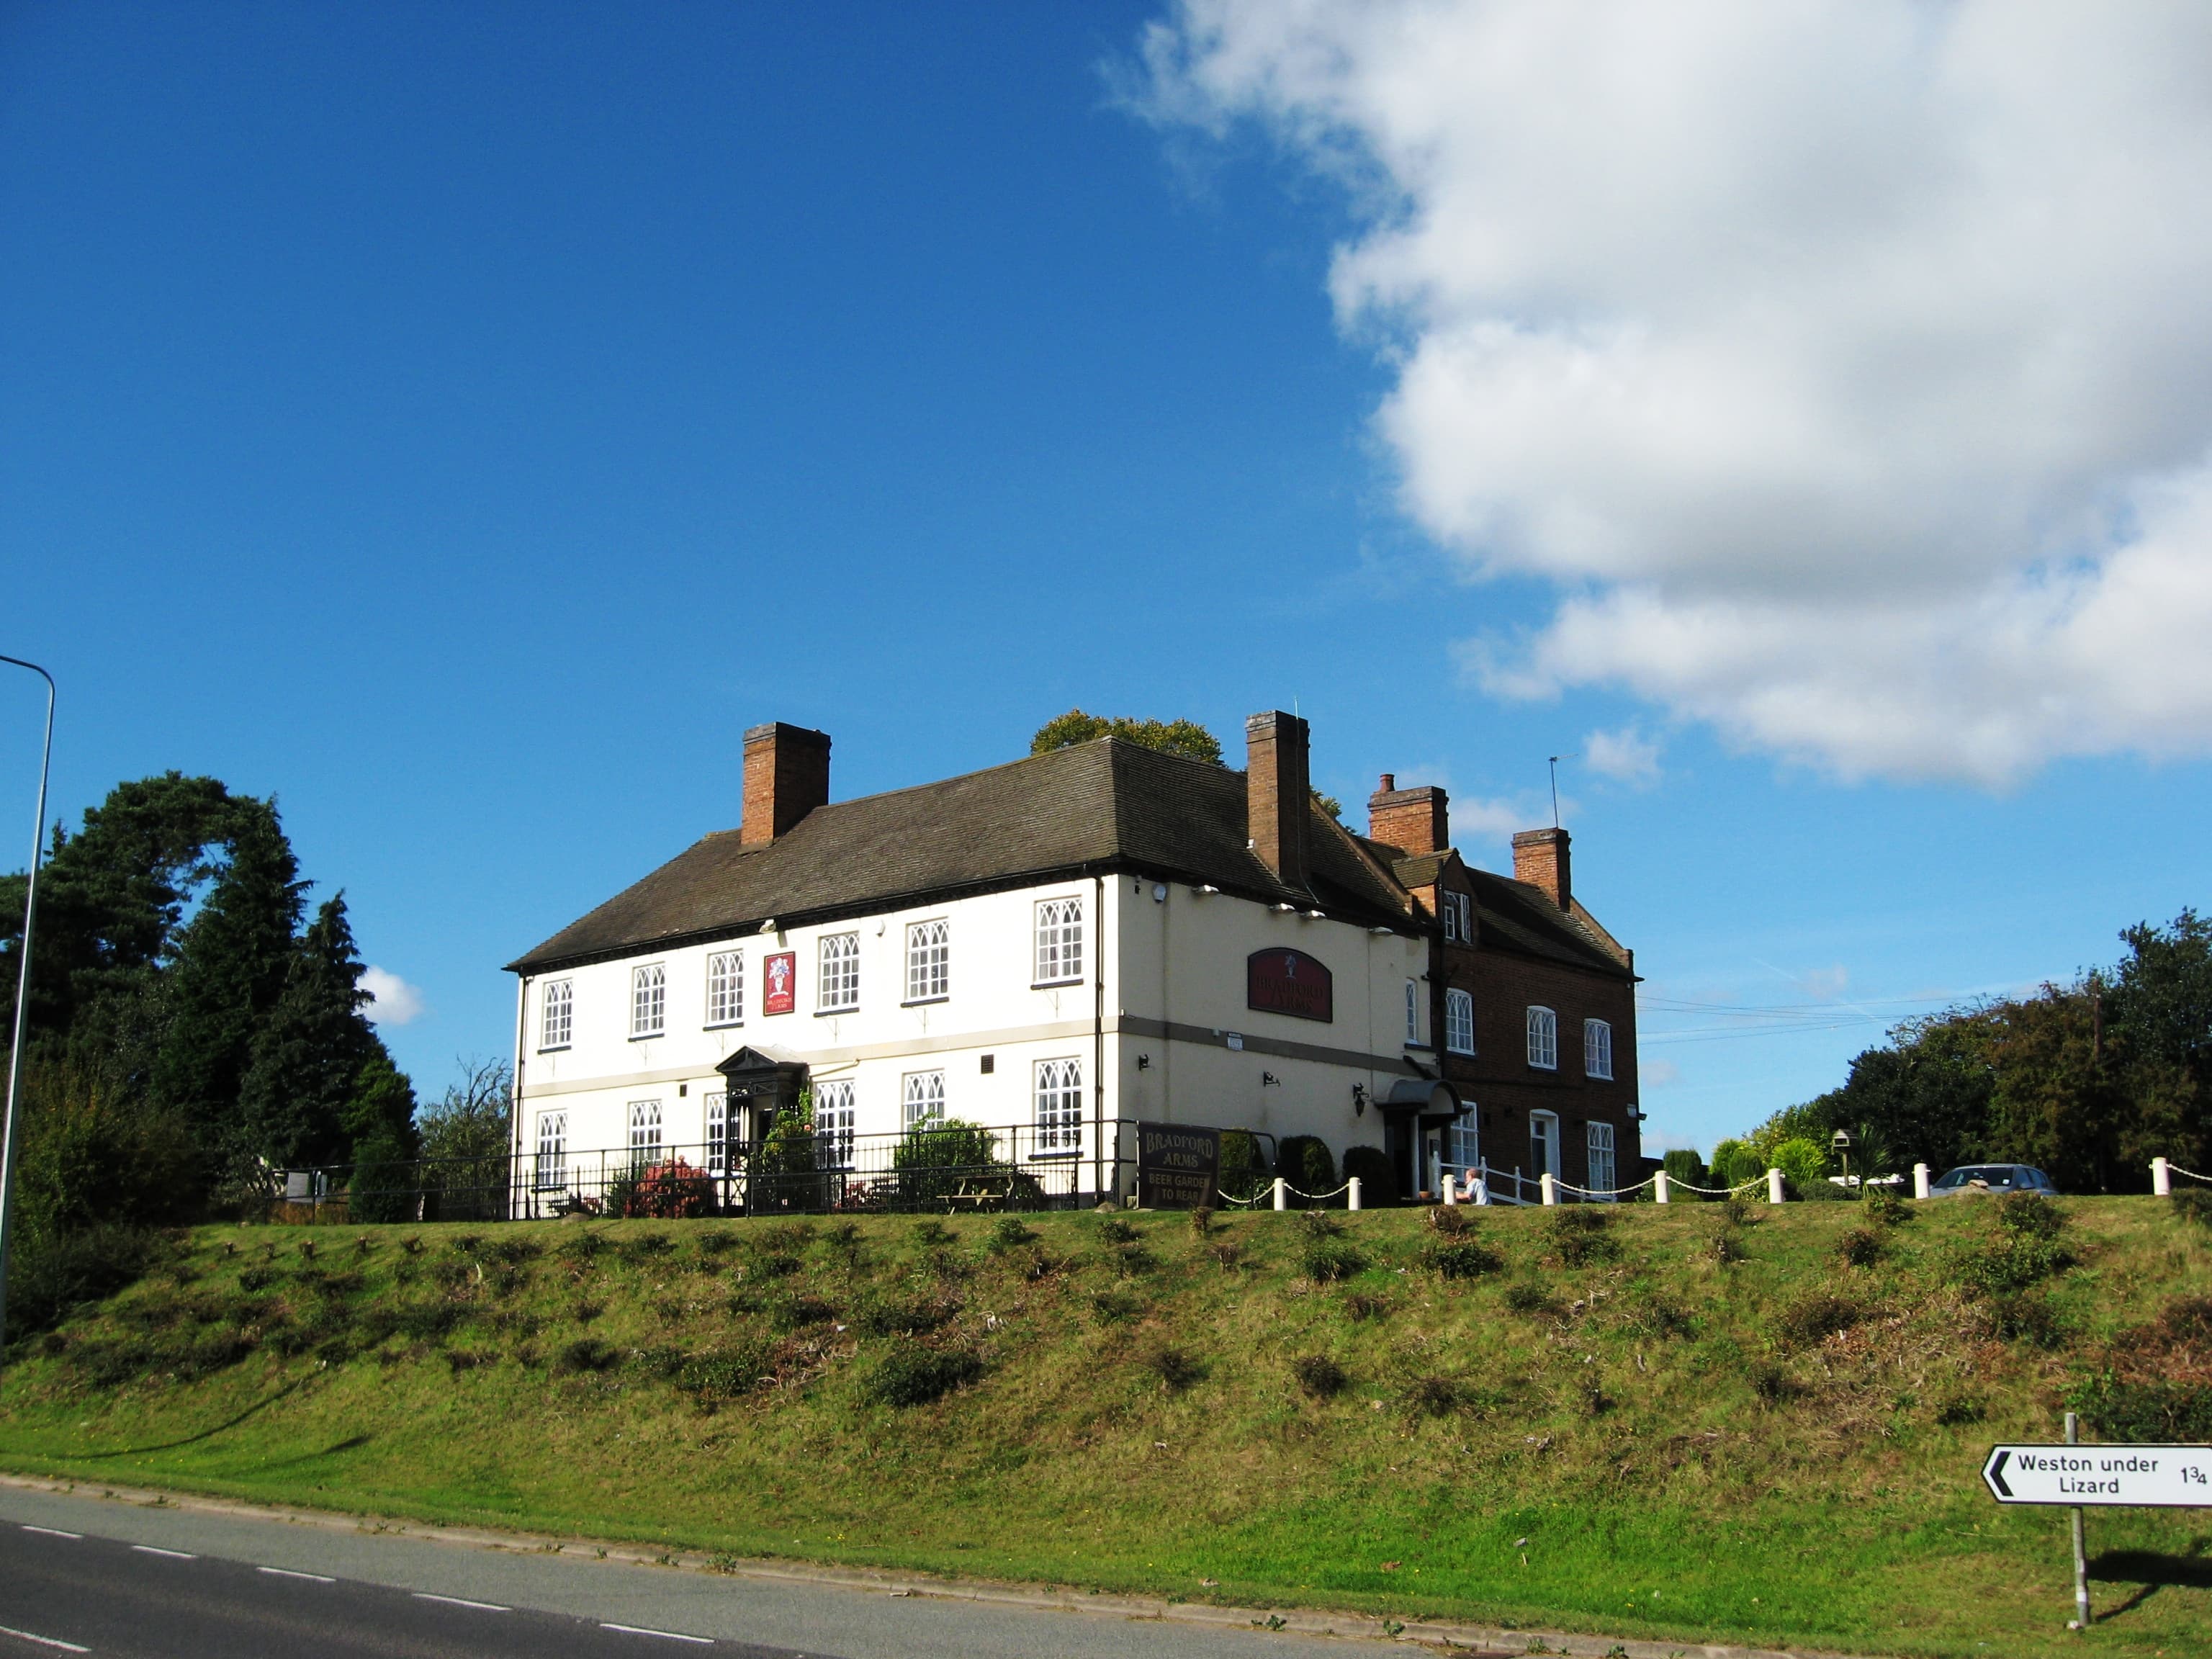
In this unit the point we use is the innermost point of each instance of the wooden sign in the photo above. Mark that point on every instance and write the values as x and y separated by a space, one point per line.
1178 1166
1283 982
780 983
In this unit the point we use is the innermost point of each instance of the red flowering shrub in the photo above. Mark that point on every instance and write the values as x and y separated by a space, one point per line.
669 1192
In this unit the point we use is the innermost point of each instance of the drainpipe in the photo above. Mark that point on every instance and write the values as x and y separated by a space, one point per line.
1098 1050
515 1095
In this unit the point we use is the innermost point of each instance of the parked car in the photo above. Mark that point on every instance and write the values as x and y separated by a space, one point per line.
1991 1178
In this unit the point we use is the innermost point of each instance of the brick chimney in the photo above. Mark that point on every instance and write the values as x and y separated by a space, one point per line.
787 777
1539 858
1411 820
1276 794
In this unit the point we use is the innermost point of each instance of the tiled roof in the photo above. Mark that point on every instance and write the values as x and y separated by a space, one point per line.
1107 804
1514 915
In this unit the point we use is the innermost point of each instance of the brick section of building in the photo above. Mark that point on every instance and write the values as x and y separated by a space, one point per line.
1279 795
1539 858
1411 820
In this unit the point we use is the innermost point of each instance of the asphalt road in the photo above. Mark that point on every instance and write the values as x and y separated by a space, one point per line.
83 1574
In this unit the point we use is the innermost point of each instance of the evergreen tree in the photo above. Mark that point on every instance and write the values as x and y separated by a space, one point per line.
308 1058
232 965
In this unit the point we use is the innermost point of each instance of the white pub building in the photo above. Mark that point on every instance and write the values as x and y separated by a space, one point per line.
1055 949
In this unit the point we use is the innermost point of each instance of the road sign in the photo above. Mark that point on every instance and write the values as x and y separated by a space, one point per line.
2161 1477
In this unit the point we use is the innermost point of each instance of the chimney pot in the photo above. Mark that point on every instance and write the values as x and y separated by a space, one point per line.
1414 821
787 777
1539 858
1276 794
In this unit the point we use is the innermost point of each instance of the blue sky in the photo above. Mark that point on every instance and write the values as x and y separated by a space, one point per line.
463 422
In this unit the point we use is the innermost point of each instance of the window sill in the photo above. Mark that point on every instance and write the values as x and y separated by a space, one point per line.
557 1049
1460 1054
1055 1157
1056 984
722 1026
923 1002
1539 1065
648 1036
832 1013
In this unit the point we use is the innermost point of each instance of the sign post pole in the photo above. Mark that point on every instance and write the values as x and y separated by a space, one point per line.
2080 1553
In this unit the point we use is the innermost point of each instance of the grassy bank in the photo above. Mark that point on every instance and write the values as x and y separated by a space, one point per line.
1763 1429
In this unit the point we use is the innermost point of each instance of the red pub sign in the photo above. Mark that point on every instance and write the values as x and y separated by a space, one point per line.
781 993
1289 982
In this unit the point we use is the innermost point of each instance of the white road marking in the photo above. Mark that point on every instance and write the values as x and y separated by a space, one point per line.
52 1532
666 1635
460 1602
45 1641
174 1555
286 1572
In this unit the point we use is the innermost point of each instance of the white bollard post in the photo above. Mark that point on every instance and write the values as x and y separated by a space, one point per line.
1282 1193
1351 1192
2162 1178
1774 1186
1550 1183
1449 1185
1659 1186
1920 1180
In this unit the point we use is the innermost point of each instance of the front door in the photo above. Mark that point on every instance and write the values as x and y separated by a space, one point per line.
1543 1145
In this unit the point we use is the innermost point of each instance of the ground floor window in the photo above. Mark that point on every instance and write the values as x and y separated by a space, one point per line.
833 1124
718 1133
924 1097
1602 1177
644 1128
1059 1106
552 1150
1462 1146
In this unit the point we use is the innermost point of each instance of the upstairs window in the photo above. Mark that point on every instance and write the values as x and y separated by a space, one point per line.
1060 1105
928 961
840 985
648 1000
1597 1049
1413 1012
1459 919
924 1098
725 988
1059 941
1459 1022
833 1125
1543 1039
556 1015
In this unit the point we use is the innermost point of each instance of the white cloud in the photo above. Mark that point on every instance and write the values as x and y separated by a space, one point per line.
1657 1073
1487 817
396 1002
1845 365
1625 756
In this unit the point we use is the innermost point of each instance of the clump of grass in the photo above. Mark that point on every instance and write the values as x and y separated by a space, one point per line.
363 1244
1201 1220
1884 1208
1114 1230
1590 1396
1660 1316
1329 1260
1365 1304
512 1249
1449 1219
1318 1376
1177 1369
1859 1247
464 1244
1132 1260
722 1374
1772 1383
586 1354
468 1360
2027 1317
2028 1248
798 1312
1113 1307
1434 1397
931 1235
1955 1408
1582 1234
906 1316
412 1244
716 1241
1457 1256
1227 1253
306 1249
1527 1297
1008 1232
1821 1314
910 1375
787 1237
1726 1247
582 1249
1737 1211
770 1264
2193 1205
586 1312
843 1238
647 1246
256 1278
1318 1223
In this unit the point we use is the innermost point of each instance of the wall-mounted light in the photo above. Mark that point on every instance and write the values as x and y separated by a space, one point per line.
1383 932
1204 889
1317 915
1144 1062
1159 892
769 927
1359 1100
1286 909
1269 1080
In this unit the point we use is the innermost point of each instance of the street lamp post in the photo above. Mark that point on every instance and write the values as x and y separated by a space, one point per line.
8 1136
